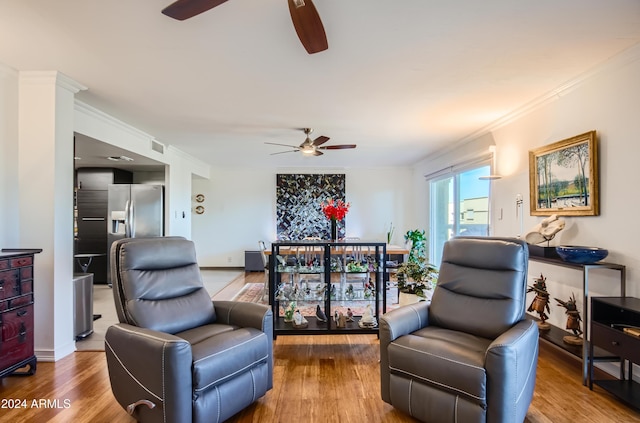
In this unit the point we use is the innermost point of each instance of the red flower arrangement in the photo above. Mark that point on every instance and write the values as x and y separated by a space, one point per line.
335 210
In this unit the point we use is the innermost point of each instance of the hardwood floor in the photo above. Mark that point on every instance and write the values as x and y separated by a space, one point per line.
316 379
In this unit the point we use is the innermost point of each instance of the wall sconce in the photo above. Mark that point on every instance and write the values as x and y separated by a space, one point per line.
493 176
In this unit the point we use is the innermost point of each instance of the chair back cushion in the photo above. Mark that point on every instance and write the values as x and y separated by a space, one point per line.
157 284
482 285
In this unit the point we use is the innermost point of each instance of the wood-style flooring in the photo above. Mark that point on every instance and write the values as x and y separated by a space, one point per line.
316 379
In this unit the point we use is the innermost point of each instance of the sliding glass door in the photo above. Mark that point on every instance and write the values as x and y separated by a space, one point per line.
459 206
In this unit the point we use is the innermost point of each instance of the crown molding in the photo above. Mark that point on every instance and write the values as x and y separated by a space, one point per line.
84 108
622 59
51 77
618 61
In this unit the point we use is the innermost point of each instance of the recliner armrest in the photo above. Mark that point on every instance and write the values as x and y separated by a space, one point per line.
149 365
393 325
511 362
242 314
404 320
245 314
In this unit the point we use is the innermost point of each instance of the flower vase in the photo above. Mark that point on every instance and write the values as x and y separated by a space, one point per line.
334 230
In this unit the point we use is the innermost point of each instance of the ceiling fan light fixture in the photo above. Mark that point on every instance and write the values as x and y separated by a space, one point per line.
120 159
308 150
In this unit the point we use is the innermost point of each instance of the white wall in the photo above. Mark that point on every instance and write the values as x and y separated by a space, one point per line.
9 216
38 117
606 100
180 167
240 209
45 178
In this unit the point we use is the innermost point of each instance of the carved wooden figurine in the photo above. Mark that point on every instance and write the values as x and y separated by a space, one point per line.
541 302
573 320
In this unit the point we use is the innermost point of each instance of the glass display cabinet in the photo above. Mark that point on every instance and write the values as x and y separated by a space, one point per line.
325 287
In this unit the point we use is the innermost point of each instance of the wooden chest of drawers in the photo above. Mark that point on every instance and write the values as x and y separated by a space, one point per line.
16 312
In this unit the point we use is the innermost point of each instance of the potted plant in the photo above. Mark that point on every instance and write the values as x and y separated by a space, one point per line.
415 281
416 277
418 239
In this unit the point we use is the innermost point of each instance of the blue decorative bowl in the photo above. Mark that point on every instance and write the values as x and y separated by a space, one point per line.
581 255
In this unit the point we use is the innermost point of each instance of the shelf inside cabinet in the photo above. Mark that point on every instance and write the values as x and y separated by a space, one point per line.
349 275
626 391
610 315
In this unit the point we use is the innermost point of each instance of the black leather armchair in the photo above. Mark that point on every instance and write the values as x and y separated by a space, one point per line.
469 355
176 356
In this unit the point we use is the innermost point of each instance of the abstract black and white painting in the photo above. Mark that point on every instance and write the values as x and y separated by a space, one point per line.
298 205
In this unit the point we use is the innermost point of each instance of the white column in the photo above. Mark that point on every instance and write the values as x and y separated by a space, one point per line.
45 169
9 216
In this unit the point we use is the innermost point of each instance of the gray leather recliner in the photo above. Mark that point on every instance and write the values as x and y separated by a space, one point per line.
469 355
177 356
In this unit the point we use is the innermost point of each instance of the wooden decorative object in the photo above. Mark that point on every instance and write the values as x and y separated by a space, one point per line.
541 301
573 320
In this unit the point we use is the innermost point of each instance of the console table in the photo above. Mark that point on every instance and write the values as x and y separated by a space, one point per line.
552 337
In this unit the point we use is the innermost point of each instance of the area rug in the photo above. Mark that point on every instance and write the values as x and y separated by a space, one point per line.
251 293
254 293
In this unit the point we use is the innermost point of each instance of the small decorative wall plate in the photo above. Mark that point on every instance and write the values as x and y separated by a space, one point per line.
199 209
199 198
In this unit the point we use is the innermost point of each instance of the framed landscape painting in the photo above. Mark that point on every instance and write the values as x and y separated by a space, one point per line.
563 177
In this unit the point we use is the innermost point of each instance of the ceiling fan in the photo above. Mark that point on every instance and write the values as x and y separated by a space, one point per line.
304 16
312 148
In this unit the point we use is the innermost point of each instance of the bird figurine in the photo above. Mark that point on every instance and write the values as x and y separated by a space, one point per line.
349 315
341 321
299 321
320 314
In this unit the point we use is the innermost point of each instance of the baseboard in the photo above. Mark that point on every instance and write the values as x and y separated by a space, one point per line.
223 268
48 355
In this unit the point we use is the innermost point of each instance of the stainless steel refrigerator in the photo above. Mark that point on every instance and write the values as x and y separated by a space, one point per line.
134 211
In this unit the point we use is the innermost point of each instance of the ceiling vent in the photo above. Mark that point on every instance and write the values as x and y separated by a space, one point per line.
158 147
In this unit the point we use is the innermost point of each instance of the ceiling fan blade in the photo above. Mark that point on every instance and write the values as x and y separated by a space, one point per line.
320 140
338 147
318 153
282 152
185 9
308 25
284 145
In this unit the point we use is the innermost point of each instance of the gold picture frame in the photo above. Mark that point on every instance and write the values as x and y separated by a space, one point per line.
563 177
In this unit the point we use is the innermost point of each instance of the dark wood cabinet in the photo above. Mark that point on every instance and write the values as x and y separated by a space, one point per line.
16 312
610 316
98 178
91 201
